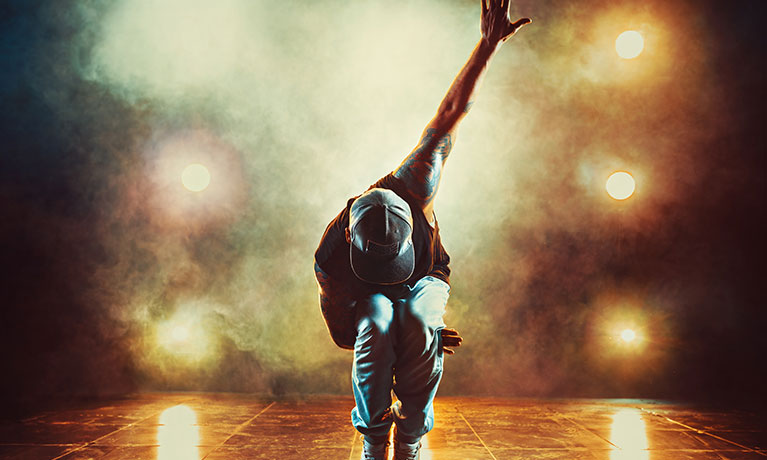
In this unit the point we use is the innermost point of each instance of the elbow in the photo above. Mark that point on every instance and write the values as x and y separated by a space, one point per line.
449 107
450 110
446 121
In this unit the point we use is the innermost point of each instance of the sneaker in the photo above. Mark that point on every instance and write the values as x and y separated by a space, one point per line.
374 451
406 451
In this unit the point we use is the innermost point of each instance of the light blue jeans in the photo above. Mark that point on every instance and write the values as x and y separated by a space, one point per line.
398 347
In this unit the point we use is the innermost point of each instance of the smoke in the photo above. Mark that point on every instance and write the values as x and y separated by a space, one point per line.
296 106
286 106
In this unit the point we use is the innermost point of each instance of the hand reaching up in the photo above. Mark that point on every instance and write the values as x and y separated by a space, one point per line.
496 26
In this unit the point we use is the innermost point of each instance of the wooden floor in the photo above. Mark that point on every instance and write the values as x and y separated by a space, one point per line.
238 427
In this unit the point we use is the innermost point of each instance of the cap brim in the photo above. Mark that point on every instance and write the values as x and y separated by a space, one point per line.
383 270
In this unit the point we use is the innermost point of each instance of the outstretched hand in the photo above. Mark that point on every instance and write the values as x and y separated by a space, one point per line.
450 340
496 26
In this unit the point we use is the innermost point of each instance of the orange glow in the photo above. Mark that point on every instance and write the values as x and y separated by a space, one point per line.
628 434
629 44
184 336
178 434
620 185
628 335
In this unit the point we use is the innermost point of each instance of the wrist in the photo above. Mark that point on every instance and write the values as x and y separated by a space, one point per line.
488 45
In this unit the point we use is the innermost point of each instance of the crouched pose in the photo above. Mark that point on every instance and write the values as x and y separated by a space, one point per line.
384 276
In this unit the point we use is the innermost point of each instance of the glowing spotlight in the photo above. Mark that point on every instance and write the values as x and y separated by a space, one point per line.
195 177
179 333
629 44
184 336
628 335
620 185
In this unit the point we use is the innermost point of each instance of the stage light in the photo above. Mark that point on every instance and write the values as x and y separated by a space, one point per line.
179 333
629 44
195 177
620 185
183 336
628 335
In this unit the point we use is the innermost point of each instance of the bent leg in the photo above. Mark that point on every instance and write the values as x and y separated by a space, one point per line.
372 371
418 368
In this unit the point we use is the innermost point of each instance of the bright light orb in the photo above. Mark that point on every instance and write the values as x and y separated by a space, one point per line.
620 185
195 177
184 336
179 333
628 335
629 44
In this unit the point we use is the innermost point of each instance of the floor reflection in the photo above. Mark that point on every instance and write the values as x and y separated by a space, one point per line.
425 453
178 434
629 434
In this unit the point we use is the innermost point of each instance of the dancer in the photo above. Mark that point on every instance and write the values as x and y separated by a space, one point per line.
383 274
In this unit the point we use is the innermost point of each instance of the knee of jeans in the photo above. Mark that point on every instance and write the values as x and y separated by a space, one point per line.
412 321
375 315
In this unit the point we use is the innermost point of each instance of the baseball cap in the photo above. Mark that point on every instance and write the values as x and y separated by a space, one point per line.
381 228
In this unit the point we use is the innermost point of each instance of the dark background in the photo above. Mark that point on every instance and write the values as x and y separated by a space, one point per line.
90 259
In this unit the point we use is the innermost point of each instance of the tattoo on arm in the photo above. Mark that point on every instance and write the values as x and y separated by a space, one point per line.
422 169
468 106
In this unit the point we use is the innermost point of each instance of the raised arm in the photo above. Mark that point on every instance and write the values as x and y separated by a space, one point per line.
422 169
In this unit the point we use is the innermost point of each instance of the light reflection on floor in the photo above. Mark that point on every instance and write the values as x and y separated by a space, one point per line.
628 434
187 426
178 434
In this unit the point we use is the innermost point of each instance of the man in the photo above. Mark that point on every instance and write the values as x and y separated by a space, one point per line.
383 274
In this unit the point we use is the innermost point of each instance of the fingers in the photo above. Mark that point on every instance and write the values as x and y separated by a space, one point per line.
448 348
522 22
450 339
491 4
515 26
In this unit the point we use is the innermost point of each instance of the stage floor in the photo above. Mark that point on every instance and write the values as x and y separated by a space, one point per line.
240 427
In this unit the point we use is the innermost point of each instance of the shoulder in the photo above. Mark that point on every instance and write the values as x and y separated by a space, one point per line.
398 186
334 237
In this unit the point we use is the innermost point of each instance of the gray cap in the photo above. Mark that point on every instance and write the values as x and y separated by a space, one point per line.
381 228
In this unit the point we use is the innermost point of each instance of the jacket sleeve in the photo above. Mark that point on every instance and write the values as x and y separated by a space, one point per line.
441 268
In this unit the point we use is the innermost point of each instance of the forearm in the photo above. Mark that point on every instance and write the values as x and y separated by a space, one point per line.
422 168
462 92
